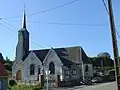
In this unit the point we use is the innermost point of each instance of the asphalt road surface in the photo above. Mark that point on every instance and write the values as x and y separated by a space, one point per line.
103 86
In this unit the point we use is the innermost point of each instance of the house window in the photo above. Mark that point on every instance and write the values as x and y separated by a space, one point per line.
52 68
74 72
32 69
86 68
67 72
38 71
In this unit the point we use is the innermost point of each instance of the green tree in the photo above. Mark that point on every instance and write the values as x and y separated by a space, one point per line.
8 65
1 58
102 62
7 59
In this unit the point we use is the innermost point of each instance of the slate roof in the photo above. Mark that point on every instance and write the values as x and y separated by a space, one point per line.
72 55
68 55
85 58
25 56
41 54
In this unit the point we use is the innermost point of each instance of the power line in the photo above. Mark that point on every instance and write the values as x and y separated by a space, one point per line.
15 33
37 44
105 6
54 8
117 33
68 24
108 14
7 27
7 23
47 10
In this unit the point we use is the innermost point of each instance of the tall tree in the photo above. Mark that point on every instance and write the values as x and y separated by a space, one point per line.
7 59
1 58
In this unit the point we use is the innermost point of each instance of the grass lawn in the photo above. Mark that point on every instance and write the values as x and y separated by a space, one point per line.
24 87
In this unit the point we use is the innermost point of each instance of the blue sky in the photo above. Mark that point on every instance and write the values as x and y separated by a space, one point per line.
94 39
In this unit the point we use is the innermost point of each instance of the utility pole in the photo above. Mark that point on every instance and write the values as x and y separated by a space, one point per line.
114 43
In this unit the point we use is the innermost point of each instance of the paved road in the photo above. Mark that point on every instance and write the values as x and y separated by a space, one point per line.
103 86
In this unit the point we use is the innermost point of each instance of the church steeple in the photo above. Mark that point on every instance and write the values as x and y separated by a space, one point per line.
24 20
23 40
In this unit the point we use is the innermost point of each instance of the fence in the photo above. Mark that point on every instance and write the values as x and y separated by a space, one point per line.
52 79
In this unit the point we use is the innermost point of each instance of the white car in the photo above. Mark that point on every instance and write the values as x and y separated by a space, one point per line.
96 80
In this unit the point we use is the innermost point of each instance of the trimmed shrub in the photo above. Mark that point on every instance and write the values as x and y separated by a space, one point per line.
12 82
36 88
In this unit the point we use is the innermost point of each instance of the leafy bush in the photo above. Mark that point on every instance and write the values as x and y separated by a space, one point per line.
37 87
8 88
12 82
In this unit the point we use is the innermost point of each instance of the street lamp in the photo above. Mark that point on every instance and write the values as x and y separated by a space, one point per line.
47 73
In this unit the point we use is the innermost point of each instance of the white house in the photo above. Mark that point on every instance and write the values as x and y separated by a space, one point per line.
71 63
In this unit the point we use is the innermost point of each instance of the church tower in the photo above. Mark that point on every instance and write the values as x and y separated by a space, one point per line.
23 40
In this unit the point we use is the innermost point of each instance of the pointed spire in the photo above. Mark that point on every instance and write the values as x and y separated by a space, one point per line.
24 19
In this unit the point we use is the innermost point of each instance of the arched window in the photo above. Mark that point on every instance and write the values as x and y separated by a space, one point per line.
86 68
39 69
32 69
52 68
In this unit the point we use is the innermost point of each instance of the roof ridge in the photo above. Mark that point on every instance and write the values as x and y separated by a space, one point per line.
67 47
55 48
39 50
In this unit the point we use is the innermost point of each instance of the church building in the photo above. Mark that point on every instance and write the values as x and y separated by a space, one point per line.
70 63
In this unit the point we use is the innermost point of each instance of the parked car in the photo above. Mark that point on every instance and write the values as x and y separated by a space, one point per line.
86 82
98 74
97 80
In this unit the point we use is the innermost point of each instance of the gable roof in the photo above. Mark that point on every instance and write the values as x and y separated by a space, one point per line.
25 56
85 58
68 55
72 55
41 54
3 72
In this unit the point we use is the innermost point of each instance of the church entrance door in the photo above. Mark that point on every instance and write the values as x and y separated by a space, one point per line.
18 75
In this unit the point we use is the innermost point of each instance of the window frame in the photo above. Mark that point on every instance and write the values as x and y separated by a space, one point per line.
39 70
32 69
52 67
74 72
67 72
86 68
